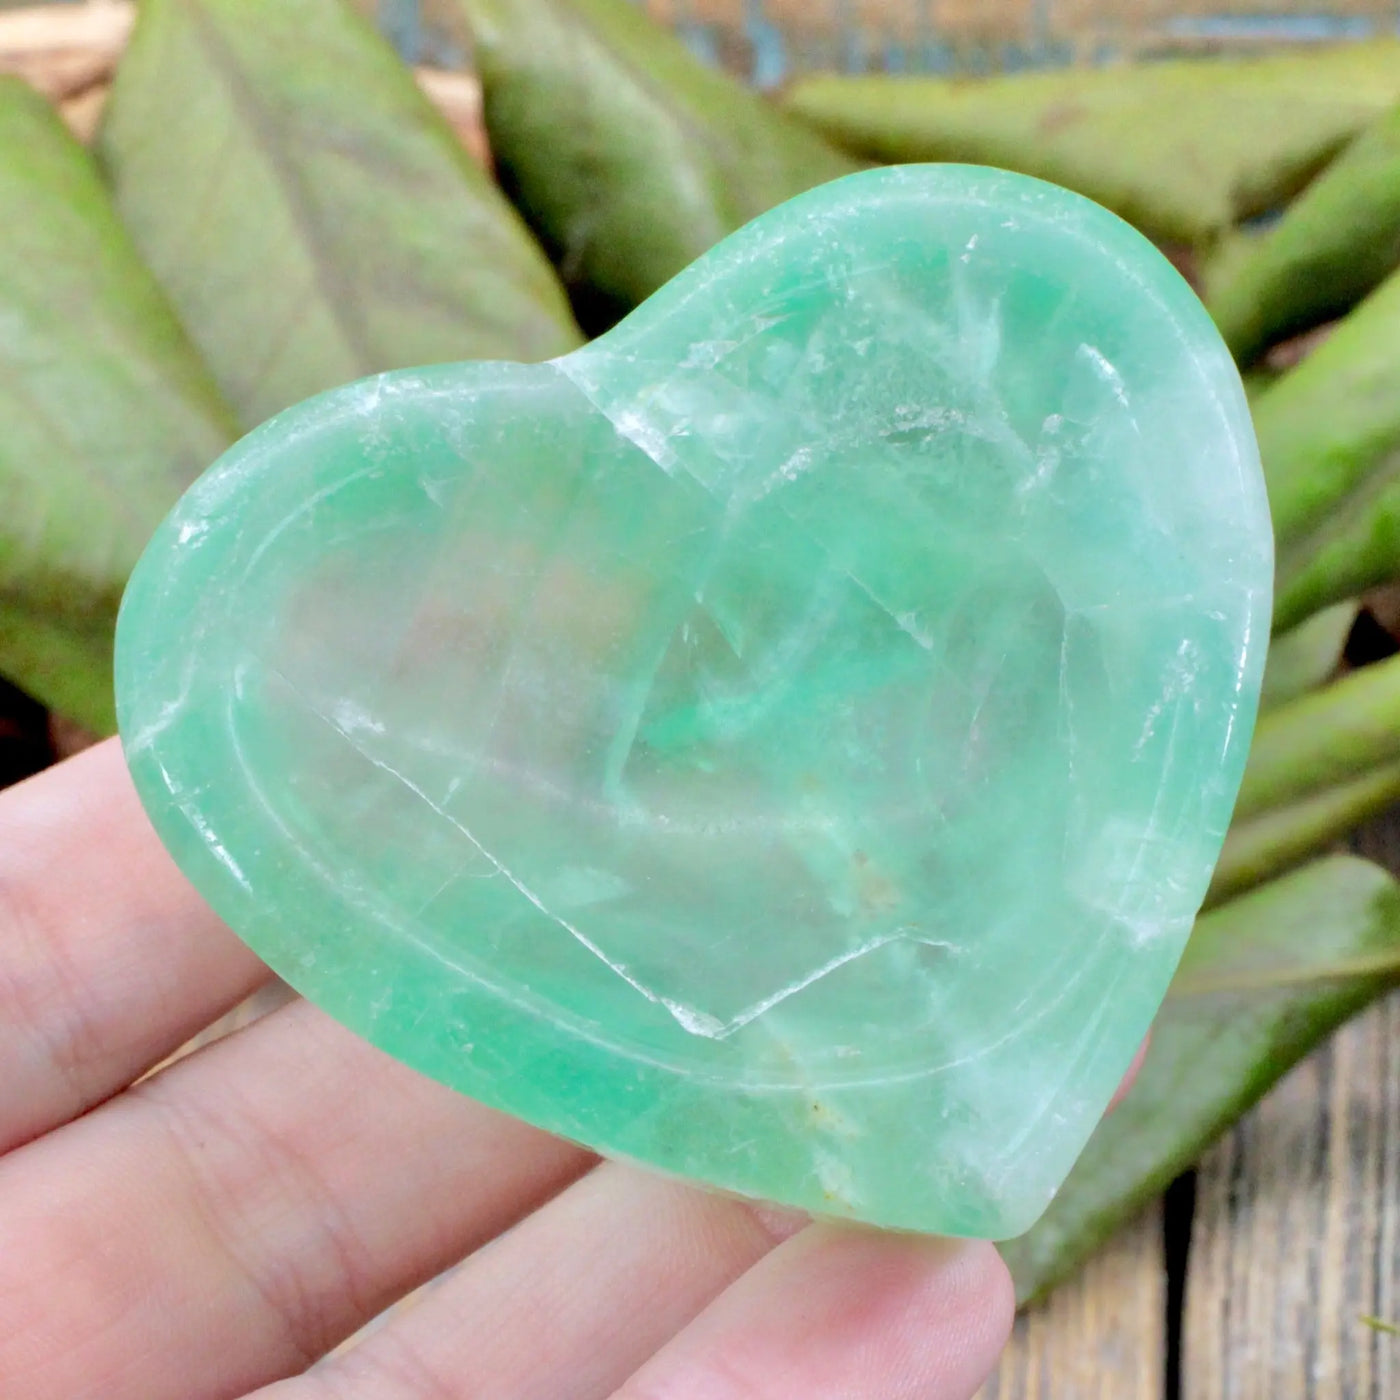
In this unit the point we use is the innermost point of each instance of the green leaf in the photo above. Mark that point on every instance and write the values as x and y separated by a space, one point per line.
1319 766
1329 434
1264 980
1379 1324
106 412
1260 847
1300 660
1256 381
1324 738
1338 240
629 157
1182 149
310 214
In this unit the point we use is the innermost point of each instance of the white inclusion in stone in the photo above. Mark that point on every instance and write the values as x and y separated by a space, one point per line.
699 1023
1176 685
795 466
192 530
706 354
1047 461
1132 874
835 1178
979 330
215 847
370 395
911 417
1105 371
908 623
172 710
641 432
355 719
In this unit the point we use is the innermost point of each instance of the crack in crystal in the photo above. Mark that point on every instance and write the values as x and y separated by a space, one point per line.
640 429
691 1019
500 867
202 825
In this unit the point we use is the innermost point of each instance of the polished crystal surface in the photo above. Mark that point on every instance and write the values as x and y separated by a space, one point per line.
785 741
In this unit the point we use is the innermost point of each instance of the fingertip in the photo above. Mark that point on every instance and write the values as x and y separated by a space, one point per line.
990 1292
960 1317
849 1312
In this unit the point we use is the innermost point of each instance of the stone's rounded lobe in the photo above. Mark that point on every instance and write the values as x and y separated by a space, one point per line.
785 741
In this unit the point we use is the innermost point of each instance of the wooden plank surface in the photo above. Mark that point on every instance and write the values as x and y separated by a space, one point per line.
1099 1336
1297 1234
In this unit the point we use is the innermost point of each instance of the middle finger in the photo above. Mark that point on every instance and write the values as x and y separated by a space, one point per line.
570 1302
223 1224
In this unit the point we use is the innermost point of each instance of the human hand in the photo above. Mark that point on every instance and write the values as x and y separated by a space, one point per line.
216 1229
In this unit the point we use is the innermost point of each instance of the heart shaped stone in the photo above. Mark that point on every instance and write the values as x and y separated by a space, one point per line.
786 741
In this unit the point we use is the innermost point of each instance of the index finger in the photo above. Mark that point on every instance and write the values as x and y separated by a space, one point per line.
109 960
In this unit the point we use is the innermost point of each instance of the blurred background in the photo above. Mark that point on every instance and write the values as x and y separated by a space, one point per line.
769 41
233 204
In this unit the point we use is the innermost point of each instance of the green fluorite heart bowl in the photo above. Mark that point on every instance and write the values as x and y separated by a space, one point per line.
785 742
